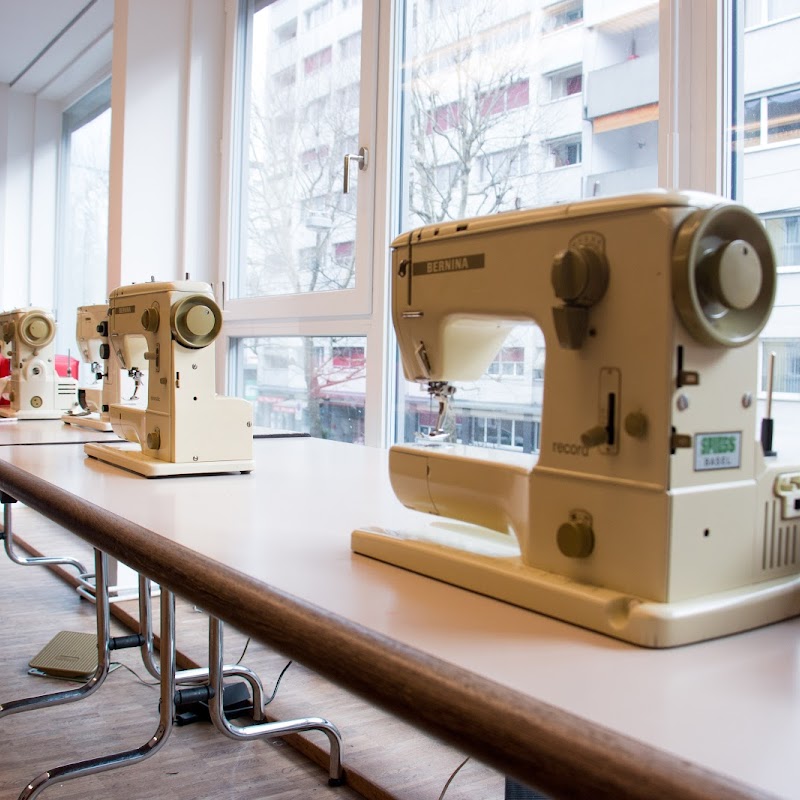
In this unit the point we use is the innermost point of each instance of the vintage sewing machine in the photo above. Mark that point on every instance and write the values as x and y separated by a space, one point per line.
86 412
186 429
110 384
34 389
651 514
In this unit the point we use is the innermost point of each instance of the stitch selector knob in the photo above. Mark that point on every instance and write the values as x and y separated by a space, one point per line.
579 275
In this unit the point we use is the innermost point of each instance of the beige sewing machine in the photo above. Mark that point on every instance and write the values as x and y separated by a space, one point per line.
112 384
86 412
34 389
651 514
186 428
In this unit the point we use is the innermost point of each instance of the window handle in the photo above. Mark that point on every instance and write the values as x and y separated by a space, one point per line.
363 163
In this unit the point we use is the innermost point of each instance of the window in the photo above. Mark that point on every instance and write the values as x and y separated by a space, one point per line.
505 98
760 12
772 119
508 361
317 61
307 384
565 83
300 327
81 277
562 15
504 164
319 14
765 178
286 33
564 153
350 46
480 135
784 232
786 376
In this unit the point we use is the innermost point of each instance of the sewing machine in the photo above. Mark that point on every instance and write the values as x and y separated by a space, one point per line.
34 389
186 429
111 384
651 513
87 410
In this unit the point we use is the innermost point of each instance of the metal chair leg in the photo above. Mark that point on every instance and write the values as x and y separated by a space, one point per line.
103 659
265 729
154 743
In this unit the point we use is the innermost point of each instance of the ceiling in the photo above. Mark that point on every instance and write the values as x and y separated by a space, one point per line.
52 48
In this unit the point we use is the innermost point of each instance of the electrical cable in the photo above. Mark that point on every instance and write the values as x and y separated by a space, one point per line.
278 683
453 775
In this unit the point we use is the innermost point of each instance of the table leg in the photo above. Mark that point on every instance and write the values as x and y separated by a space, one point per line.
265 729
154 743
103 659
7 535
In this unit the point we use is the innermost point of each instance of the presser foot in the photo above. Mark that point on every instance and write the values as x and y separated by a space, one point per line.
489 564
91 420
129 456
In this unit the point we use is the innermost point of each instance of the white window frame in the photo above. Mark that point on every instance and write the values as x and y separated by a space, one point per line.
352 312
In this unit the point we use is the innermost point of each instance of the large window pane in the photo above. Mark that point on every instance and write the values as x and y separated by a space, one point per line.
767 91
309 384
83 199
298 226
517 105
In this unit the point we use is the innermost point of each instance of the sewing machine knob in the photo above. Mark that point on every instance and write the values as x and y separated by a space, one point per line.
579 275
575 539
154 439
105 351
636 424
196 321
102 328
723 275
36 329
150 319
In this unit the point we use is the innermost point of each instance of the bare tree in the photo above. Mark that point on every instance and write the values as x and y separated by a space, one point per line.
469 118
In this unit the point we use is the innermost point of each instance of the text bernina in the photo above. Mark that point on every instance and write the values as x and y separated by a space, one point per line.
452 264
447 264
570 448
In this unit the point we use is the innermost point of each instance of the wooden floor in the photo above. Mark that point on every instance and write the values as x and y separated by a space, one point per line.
383 756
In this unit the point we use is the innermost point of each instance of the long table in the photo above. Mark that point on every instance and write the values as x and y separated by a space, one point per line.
572 712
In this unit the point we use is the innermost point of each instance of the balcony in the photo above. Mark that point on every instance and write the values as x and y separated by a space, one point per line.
619 15
622 181
630 84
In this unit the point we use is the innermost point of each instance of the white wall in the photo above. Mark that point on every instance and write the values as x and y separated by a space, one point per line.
167 71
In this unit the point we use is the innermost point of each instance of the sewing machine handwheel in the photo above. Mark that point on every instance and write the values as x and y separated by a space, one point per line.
36 329
723 275
196 321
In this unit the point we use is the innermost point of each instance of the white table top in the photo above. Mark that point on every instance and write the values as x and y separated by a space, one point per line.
730 705
50 431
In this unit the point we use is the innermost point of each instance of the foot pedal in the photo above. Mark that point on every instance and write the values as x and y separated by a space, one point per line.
236 702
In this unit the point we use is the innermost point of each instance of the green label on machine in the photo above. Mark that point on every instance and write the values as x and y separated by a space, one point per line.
451 264
717 451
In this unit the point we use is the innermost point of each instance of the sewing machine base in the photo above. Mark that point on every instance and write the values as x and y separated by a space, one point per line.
92 421
50 413
493 567
129 456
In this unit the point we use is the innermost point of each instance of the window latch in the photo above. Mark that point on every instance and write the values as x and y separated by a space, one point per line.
363 162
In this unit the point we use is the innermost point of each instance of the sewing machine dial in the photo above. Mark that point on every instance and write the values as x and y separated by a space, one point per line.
36 329
196 321
723 279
